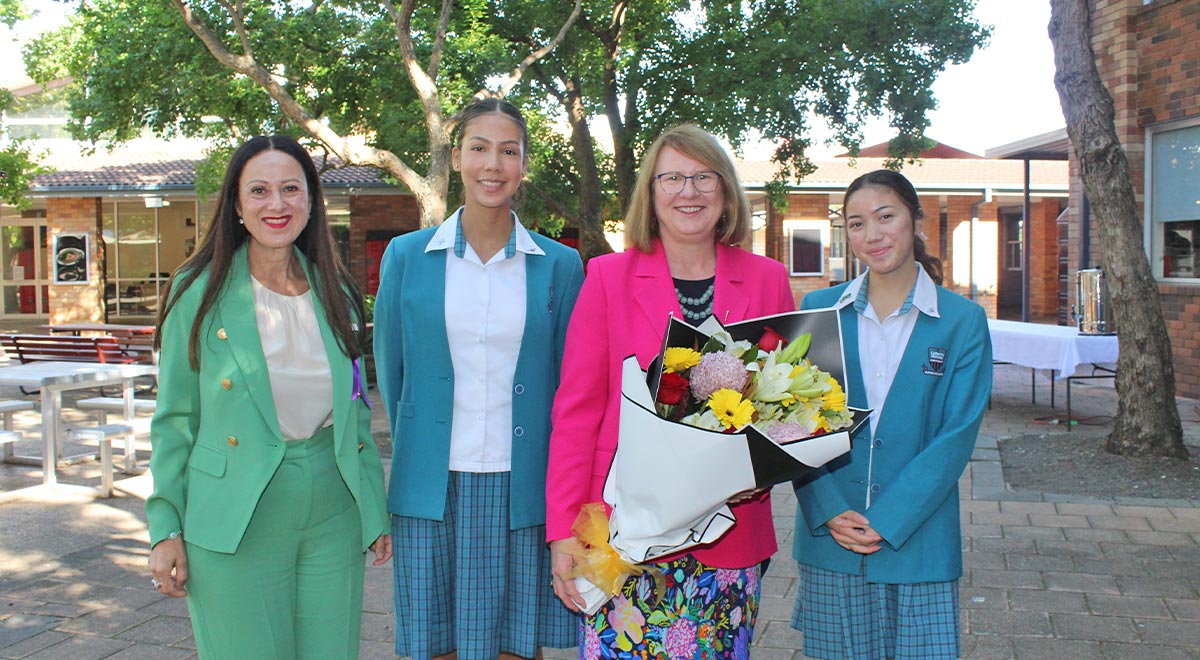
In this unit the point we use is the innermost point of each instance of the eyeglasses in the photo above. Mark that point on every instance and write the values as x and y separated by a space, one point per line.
672 183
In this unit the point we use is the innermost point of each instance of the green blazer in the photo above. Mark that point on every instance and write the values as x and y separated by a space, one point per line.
215 432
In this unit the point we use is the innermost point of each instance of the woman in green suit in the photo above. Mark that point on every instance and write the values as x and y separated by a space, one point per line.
267 486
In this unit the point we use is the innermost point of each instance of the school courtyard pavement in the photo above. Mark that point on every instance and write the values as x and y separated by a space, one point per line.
1047 575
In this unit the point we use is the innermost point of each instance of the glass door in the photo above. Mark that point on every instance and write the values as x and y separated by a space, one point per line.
23 276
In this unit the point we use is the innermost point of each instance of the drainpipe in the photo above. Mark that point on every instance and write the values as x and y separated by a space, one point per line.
1026 230
1085 235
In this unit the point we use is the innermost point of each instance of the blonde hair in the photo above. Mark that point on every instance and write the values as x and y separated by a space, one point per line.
641 226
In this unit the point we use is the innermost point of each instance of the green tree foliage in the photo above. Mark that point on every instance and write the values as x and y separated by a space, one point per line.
756 67
372 83
12 11
376 83
18 164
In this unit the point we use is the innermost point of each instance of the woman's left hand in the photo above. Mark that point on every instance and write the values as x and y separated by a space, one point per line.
382 547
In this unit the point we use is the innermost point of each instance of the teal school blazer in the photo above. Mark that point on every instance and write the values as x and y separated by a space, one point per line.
416 376
924 437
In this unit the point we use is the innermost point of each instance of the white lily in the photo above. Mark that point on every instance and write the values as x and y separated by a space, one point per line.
773 381
704 419
737 348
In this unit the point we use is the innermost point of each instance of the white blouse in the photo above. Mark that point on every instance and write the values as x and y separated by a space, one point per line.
301 382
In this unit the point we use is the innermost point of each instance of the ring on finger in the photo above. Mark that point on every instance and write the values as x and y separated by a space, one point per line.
154 582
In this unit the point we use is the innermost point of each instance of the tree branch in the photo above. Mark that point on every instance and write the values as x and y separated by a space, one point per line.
245 64
515 76
422 83
439 39
553 204
235 12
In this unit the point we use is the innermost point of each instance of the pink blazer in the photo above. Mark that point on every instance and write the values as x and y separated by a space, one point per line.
623 310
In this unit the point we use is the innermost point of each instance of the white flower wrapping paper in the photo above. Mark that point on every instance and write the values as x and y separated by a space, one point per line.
669 482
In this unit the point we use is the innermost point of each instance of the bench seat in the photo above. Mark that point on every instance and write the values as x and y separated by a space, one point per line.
48 348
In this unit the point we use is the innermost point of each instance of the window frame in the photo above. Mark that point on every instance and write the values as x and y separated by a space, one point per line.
1153 230
822 229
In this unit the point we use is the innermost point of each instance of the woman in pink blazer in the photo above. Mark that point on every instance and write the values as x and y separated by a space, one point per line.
687 213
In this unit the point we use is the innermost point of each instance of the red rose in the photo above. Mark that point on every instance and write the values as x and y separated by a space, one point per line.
771 340
671 388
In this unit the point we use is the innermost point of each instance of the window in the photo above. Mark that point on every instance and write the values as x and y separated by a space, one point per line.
806 243
1173 199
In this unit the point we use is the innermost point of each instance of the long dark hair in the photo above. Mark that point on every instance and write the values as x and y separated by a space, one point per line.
334 285
897 183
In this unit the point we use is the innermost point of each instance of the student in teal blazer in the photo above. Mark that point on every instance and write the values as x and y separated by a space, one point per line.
267 486
877 531
470 321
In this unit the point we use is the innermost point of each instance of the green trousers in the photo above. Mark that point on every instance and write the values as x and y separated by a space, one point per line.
293 589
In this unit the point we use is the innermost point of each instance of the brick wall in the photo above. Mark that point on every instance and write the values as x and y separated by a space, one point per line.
373 213
1168 71
76 303
1181 308
931 205
801 207
1043 259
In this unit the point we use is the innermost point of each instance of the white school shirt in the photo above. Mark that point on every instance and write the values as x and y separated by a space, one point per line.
881 342
485 322
301 382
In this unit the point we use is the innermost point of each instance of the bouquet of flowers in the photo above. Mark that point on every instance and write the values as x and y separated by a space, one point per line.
721 410
729 384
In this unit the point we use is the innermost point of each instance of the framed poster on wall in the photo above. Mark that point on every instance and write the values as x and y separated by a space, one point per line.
71 258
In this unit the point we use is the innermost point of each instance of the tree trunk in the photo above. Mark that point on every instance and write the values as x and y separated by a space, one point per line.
1147 420
591 201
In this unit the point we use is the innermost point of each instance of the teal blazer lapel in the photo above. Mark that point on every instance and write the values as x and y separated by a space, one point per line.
539 291
241 332
340 367
857 389
914 357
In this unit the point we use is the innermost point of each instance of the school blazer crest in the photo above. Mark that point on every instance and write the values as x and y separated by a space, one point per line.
215 432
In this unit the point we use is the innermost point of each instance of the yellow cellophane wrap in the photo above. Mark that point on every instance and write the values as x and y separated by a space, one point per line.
598 562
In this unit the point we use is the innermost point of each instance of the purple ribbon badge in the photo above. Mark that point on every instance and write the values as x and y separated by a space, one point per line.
359 391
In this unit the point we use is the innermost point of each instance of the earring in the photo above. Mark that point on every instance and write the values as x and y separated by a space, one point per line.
240 221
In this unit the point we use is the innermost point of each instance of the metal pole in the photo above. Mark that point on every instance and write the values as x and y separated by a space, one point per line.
1025 243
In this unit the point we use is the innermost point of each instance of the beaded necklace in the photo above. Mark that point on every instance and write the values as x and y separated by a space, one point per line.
696 308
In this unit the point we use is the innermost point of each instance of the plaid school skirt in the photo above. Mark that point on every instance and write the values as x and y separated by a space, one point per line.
844 617
470 584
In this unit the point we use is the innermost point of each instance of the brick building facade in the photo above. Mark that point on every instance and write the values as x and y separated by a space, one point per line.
967 202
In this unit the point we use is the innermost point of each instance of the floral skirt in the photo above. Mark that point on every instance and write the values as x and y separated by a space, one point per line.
705 613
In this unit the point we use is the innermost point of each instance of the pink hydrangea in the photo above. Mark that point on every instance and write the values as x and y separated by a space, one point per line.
785 431
717 370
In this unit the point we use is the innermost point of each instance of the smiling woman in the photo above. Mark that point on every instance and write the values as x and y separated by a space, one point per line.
469 326
687 214
266 478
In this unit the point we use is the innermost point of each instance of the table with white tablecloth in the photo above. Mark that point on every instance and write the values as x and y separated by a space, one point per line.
1060 349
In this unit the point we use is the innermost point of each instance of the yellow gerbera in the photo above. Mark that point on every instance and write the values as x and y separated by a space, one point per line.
835 398
730 408
677 359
